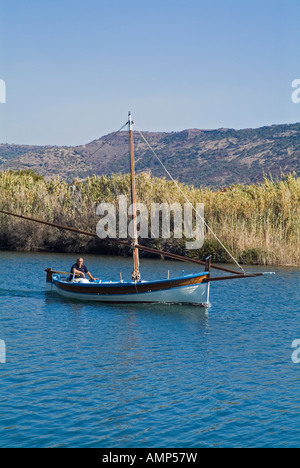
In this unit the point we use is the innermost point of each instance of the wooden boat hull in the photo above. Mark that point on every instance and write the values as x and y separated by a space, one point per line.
191 289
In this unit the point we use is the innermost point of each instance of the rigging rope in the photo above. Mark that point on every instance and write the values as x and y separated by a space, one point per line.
188 201
106 141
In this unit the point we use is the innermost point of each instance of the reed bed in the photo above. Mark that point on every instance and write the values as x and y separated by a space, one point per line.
259 224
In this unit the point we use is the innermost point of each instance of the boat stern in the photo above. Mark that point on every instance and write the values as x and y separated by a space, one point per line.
49 282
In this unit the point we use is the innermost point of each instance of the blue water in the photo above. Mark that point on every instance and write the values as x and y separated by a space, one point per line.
94 375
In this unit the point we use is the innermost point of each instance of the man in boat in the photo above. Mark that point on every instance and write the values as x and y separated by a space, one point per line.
81 270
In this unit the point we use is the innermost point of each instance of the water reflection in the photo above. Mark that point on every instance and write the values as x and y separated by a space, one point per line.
113 375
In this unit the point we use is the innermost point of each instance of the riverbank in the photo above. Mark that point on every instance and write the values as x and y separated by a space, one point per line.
259 224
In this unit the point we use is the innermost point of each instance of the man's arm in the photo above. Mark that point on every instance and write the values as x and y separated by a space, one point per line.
78 273
91 276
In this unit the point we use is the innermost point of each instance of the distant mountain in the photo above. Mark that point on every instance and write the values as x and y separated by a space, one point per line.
215 158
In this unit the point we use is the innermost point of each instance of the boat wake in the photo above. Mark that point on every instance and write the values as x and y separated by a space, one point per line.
20 293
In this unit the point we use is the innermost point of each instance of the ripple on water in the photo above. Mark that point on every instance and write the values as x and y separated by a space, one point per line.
92 375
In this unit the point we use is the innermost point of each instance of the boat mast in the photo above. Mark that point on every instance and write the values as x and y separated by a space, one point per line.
136 276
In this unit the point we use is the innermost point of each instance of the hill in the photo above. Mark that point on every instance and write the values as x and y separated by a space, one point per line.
214 158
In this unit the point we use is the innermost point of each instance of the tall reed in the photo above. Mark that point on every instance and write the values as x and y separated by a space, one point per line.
258 223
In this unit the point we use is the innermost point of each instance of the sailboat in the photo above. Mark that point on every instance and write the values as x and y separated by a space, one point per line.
186 289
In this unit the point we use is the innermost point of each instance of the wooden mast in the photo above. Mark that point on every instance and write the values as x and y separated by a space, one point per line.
136 276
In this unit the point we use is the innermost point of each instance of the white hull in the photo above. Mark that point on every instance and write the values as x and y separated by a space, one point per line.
193 294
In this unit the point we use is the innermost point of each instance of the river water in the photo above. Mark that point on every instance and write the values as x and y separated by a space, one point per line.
93 375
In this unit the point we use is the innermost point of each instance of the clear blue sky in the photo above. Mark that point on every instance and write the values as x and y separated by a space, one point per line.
73 68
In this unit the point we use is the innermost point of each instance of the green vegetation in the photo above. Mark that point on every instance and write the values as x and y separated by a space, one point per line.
260 224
